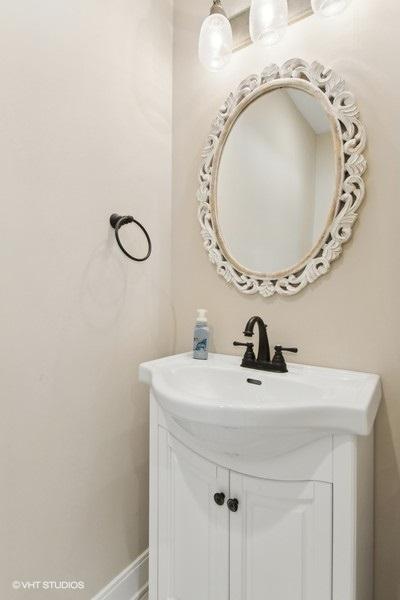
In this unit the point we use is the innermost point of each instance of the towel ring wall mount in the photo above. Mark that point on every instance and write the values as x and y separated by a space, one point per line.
118 221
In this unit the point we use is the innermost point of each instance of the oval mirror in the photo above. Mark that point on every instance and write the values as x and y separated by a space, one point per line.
276 184
281 178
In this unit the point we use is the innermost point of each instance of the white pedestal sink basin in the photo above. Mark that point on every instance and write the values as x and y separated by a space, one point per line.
236 410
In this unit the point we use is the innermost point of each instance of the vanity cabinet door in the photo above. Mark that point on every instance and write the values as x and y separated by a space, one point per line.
280 540
193 529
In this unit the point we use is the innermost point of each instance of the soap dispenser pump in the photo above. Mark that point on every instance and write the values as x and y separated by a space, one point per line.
201 336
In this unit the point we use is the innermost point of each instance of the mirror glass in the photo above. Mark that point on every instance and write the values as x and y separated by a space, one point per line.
276 182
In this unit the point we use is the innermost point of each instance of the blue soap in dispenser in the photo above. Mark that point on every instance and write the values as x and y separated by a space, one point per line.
201 336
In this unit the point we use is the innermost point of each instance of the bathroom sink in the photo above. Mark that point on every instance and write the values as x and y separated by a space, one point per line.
228 406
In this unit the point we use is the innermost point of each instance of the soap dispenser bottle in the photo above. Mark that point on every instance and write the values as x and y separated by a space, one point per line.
201 336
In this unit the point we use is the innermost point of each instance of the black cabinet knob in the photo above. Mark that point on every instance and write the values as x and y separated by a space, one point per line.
233 504
219 499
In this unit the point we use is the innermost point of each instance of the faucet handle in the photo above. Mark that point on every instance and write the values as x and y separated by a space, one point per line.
280 349
249 354
279 359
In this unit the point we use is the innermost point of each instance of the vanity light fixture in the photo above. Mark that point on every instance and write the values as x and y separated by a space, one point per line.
262 22
268 21
216 39
329 8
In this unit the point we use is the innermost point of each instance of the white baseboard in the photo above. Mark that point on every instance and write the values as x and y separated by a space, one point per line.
130 584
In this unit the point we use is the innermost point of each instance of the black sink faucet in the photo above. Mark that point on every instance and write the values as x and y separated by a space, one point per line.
263 361
264 353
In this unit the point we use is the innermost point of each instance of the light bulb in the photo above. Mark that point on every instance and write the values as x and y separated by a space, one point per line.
216 40
329 8
268 21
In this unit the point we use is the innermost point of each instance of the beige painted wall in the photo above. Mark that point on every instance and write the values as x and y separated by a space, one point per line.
349 318
85 130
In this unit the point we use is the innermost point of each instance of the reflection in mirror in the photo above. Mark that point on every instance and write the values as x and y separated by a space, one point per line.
276 181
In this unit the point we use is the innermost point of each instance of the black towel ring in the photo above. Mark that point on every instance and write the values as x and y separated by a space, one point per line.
116 222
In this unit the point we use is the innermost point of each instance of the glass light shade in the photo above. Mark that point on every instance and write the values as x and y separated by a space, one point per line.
215 42
329 8
268 21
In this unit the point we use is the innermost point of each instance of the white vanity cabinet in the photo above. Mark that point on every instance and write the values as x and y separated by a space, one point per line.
193 531
245 507
290 538
280 539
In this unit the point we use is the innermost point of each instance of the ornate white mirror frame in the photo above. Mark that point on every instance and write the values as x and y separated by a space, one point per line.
350 141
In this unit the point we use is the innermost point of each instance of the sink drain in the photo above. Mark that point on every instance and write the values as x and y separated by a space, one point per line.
254 381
